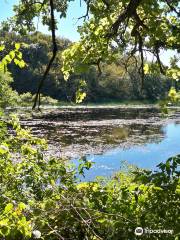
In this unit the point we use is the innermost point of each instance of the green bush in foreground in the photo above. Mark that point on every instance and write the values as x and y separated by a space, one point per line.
42 198
8 97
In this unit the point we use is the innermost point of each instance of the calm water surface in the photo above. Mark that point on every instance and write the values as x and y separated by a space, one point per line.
108 136
145 156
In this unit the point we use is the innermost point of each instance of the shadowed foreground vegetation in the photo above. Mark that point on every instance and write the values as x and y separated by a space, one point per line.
42 198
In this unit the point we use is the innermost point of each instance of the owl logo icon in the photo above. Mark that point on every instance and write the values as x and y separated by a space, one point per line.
138 231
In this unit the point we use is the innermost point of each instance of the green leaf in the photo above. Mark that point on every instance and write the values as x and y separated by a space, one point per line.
8 58
8 207
4 222
80 96
17 46
22 64
2 47
22 206
3 149
12 54
146 68
16 61
19 55
102 220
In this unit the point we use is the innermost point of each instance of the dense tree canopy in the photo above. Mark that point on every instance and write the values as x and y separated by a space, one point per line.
114 84
128 27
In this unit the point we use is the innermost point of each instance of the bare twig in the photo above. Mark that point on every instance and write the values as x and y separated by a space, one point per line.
87 11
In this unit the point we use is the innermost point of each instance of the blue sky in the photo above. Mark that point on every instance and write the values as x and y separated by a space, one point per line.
6 8
67 27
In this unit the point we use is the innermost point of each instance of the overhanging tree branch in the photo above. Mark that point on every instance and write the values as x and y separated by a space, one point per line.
87 11
127 13
157 50
172 8
131 12
53 32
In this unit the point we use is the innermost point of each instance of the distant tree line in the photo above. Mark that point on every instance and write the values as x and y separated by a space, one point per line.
115 82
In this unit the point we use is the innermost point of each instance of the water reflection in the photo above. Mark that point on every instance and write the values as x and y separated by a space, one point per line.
144 156
108 135
73 139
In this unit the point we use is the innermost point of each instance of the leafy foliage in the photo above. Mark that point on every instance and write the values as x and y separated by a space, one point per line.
13 56
41 196
111 29
126 27
8 96
113 84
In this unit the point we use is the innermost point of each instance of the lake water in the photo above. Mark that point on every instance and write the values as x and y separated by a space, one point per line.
148 155
108 136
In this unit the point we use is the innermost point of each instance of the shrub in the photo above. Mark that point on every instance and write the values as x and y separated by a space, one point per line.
42 197
8 97
27 99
